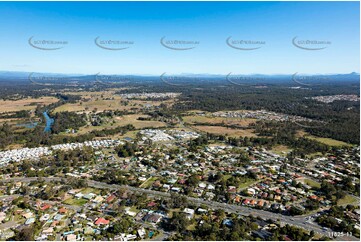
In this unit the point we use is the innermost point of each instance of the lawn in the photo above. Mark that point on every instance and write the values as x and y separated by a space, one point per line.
191 227
281 150
88 190
312 183
134 209
328 141
347 200
226 177
148 182
246 184
77 202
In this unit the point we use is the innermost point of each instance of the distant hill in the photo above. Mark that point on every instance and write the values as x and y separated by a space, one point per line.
181 78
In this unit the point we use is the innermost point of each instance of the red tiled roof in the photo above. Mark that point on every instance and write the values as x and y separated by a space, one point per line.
45 206
101 221
151 204
237 199
62 210
110 198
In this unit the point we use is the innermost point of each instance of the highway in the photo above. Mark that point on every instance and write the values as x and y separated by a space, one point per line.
298 221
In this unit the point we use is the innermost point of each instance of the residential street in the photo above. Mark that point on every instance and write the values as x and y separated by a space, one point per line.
299 221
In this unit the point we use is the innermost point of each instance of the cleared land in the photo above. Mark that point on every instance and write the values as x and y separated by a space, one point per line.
281 150
347 200
25 104
312 183
101 101
225 131
96 104
148 182
328 141
77 202
124 120
195 119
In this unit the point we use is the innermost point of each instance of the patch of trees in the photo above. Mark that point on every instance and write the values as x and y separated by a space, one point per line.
25 234
126 150
118 130
18 114
120 226
343 223
197 142
332 192
340 119
211 229
37 137
115 176
292 232
67 120
62 161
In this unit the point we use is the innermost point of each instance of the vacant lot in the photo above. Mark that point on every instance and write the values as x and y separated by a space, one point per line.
195 119
225 131
77 202
148 182
96 104
348 199
312 183
281 150
139 124
25 104
328 141
99 102
125 120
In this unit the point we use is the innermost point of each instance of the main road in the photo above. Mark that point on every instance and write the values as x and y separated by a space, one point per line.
300 221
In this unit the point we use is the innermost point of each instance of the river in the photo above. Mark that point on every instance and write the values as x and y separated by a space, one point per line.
49 122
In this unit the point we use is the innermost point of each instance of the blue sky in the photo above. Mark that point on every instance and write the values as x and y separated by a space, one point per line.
209 23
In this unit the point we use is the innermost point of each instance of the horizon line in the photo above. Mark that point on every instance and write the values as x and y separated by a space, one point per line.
176 74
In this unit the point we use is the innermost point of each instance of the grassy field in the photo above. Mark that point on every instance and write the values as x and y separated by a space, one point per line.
281 150
139 124
148 182
10 121
225 131
125 120
328 141
89 190
130 134
195 119
106 100
246 184
134 209
97 104
77 202
312 183
25 104
347 200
